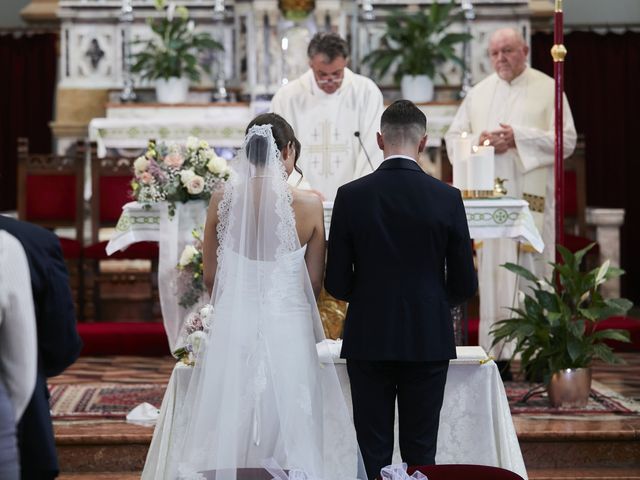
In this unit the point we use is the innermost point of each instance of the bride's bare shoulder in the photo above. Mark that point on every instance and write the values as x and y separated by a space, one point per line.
306 201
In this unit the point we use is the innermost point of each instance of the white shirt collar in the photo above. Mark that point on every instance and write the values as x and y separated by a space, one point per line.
401 156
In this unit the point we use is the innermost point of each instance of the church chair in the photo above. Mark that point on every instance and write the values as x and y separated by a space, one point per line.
575 204
111 189
51 194
464 472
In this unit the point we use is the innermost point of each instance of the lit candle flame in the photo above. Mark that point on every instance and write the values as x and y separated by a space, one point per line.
464 135
486 143
475 149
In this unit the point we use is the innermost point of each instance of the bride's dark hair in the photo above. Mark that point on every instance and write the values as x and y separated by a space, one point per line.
282 132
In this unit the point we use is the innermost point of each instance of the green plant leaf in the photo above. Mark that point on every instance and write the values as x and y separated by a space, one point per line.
521 271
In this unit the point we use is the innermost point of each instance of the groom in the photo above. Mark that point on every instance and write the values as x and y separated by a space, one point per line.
400 254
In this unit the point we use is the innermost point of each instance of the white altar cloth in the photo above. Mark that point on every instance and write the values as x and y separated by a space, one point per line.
475 421
496 218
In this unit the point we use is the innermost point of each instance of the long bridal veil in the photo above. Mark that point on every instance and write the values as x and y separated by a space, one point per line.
259 395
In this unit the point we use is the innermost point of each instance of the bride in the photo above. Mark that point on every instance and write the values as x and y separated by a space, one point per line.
259 396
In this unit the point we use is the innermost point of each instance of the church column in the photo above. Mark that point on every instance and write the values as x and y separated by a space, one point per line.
608 222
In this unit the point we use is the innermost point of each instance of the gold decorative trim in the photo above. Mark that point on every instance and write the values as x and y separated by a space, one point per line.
526 248
477 193
558 52
558 7
536 202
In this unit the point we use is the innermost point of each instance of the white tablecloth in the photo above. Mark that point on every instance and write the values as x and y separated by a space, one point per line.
496 218
475 421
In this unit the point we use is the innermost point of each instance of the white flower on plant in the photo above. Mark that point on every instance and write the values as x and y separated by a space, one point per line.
141 164
191 26
203 144
192 143
217 165
195 185
170 11
187 255
521 297
182 12
602 273
545 286
186 176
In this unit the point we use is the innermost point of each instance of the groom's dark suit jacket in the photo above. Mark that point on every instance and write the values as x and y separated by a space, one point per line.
392 234
58 342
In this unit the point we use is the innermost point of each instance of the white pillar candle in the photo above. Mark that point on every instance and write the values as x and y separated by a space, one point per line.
461 153
481 169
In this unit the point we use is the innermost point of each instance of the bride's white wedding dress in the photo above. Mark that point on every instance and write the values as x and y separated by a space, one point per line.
259 394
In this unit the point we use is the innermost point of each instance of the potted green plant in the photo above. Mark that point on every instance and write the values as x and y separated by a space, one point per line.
554 326
414 45
170 57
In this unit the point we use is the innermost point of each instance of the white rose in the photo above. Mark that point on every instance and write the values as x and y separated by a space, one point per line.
203 144
195 185
141 164
186 176
187 255
192 143
217 165
205 313
196 340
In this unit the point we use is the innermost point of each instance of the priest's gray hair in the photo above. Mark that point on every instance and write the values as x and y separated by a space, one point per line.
328 44
403 123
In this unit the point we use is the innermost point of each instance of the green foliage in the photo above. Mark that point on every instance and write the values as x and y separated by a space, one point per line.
416 43
174 49
554 328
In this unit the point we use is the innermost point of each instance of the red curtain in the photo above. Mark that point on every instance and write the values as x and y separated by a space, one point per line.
602 83
27 87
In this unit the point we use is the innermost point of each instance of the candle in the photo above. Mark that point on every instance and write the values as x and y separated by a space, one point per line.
461 152
481 169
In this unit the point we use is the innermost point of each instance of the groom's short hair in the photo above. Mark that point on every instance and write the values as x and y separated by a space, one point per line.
403 123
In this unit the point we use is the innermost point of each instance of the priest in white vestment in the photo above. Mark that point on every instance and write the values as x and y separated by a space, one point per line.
335 114
514 109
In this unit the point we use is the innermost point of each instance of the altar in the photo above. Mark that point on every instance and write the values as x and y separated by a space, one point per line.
475 420
493 218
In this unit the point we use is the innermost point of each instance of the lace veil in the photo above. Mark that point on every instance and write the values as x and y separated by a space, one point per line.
259 395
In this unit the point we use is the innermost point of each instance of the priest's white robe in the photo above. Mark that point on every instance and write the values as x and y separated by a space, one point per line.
326 125
527 105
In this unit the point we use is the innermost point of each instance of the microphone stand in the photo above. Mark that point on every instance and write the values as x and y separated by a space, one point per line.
357 135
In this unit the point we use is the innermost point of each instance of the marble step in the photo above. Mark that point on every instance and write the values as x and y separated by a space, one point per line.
583 442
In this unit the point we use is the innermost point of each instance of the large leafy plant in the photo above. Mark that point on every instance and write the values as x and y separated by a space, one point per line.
555 324
173 50
416 43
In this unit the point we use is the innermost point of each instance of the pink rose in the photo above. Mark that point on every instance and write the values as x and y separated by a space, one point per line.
146 177
195 185
174 160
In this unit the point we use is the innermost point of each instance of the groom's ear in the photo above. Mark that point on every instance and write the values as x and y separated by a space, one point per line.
422 144
380 140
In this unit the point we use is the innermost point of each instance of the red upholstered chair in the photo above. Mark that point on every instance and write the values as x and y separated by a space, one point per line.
111 189
575 204
51 194
464 472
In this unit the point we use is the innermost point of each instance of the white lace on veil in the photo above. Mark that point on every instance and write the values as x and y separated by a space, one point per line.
258 394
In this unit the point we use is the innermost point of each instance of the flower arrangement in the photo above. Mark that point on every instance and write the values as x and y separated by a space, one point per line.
173 51
196 326
175 173
190 272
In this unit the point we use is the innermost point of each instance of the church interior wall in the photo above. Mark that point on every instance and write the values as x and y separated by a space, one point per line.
615 16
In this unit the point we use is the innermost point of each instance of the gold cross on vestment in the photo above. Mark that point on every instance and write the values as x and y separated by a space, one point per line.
325 148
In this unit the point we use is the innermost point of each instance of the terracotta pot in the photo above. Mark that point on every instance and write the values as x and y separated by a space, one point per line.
570 388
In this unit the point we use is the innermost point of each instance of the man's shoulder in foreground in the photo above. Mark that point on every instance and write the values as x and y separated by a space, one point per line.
26 231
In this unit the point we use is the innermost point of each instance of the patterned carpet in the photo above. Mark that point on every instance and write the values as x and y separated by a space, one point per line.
102 400
602 400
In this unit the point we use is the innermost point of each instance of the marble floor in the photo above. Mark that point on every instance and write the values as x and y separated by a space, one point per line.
126 444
